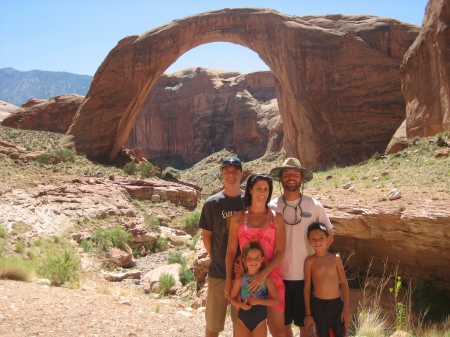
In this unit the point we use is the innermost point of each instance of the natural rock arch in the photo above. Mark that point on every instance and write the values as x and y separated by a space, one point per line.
337 79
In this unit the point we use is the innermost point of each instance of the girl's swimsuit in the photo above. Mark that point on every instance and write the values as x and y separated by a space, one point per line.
257 313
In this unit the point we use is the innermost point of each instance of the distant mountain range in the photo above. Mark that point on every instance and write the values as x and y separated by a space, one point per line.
17 87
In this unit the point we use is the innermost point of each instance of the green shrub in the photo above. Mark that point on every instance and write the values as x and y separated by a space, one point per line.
147 170
166 281
20 247
118 236
87 245
191 221
60 267
2 231
56 239
427 297
194 241
44 159
65 155
170 173
15 268
186 275
152 222
160 244
105 239
130 168
175 257
100 240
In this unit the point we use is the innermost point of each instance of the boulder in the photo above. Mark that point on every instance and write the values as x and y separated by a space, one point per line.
151 279
399 140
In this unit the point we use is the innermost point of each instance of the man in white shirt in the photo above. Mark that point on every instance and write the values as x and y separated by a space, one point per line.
299 211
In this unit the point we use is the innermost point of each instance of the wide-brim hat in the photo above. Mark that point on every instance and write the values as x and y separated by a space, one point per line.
291 163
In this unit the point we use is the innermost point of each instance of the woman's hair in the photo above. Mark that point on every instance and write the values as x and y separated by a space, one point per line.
251 181
248 247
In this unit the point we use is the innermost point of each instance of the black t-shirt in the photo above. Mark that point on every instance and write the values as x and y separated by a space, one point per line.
216 216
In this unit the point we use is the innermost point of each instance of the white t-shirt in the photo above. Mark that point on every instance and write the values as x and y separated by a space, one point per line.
297 245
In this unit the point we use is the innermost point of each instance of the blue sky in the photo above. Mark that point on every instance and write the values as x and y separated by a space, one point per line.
76 36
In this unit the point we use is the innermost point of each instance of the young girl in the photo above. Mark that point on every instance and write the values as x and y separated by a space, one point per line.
252 312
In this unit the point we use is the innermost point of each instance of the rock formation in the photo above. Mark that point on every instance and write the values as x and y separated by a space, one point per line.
54 115
399 140
6 109
415 239
337 79
196 112
425 74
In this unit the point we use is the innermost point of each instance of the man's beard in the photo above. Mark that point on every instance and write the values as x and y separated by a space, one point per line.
290 187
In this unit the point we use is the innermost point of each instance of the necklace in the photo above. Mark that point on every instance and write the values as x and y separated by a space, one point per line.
295 211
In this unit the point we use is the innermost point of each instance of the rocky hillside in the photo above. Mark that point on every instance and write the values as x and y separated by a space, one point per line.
17 87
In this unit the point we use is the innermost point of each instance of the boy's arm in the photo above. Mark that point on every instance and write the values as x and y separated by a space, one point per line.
234 294
345 316
207 238
231 252
273 301
309 319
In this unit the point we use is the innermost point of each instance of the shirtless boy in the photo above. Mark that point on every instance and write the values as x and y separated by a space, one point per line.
325 309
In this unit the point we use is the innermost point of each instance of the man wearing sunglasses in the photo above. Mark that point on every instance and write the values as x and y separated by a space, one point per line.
299 211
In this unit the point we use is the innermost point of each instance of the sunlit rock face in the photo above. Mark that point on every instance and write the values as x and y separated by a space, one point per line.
196 112
425 74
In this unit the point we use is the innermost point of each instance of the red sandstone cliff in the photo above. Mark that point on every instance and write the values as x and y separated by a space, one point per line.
195 112
425 74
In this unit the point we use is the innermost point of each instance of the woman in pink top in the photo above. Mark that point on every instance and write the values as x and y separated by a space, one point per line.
258 223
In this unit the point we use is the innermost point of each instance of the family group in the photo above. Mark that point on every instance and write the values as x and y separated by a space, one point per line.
270 259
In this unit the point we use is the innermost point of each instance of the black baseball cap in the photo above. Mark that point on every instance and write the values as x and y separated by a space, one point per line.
235 161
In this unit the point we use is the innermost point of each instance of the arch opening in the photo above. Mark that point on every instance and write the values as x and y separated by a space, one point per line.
225 109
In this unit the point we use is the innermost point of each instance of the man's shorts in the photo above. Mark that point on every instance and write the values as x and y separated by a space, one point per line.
295 303
216 306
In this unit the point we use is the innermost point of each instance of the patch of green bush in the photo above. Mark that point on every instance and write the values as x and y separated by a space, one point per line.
2 231
118 236
130 168
87 245
166 281
44 159
186 275
170 173
160 244
105 239
194 241
60 267
20 247
65 155
152 222
191 221
147 170
175 257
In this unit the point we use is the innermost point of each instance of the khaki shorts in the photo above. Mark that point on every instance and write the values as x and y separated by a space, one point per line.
216 306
